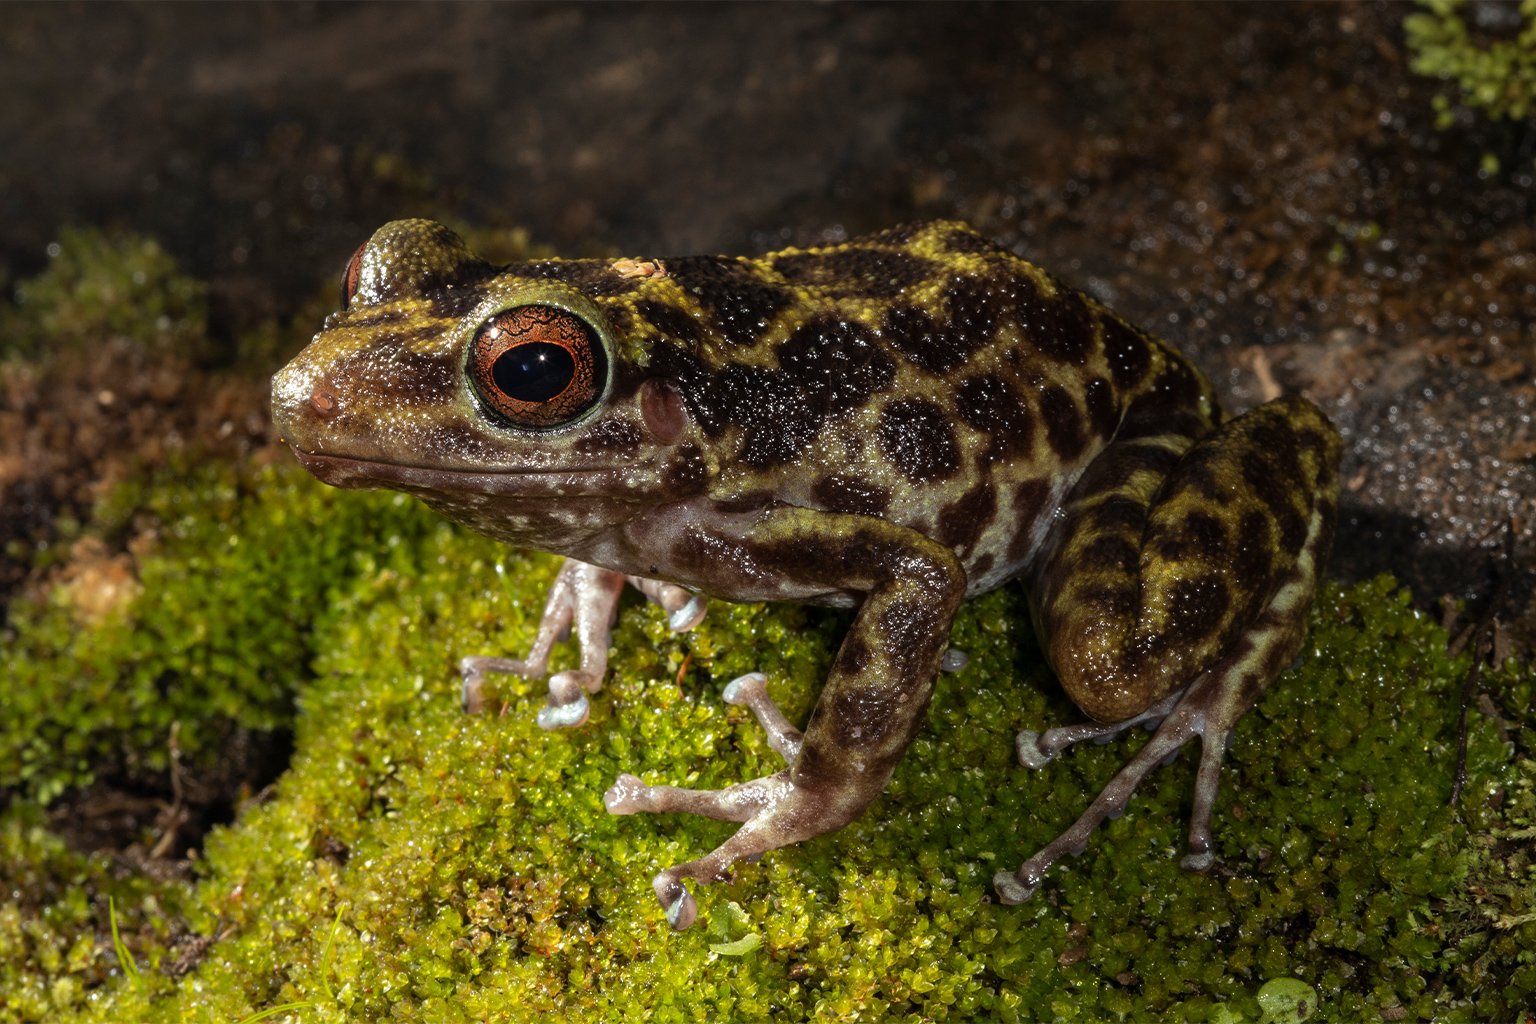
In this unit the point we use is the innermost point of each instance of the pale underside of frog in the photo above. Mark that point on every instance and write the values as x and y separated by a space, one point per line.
891 425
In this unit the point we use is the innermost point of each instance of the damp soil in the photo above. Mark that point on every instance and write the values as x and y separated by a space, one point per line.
1263 184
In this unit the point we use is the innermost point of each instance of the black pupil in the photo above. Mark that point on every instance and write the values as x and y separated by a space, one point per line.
535 372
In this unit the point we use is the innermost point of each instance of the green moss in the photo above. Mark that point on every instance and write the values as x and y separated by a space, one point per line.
1496 76
200 635
477 877
100 284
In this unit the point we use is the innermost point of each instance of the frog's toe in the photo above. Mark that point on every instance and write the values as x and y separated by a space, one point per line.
689 615
1031 754
1037 749
774 812
1011 889
565 716
568 705
626 795
472 671
681 908
751 691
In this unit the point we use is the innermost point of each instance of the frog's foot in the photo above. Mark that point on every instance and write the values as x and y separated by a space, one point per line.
776 812
1187 720
583 598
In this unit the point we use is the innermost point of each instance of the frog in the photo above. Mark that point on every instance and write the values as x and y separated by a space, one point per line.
890 424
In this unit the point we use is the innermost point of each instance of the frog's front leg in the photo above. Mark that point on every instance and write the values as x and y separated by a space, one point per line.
584 597
1177 588
872 704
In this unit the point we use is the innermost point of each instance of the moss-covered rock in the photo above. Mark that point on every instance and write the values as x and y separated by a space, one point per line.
417 864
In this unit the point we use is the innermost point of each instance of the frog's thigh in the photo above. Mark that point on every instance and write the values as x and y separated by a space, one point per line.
870 707
1169 552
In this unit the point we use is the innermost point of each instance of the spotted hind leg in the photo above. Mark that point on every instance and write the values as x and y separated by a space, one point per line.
1209 709
1177 590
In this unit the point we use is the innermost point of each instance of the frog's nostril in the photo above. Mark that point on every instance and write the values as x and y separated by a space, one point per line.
324 402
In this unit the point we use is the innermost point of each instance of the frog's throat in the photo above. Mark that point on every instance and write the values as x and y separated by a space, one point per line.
544 482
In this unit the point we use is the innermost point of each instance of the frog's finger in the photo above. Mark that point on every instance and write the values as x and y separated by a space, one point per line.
751 691
582 598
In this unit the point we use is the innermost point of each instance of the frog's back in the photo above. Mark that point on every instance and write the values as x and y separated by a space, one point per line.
922 374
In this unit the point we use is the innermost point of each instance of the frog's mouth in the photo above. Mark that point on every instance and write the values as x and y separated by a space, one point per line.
602 481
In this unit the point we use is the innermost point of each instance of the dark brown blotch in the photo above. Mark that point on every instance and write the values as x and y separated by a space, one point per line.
963 240
854 656
1060 326
1029 504
741 302
1278 441
989 404
975 307
1064 425
1103 415
835 364
1262 479
1117 514
962 522
686 472
1100 599
1253 559
915 436
854 270
1178 385
453 303
1107 553
777 424
843 493
924 342
908 631
1206 534
1200 472
594 277
1127 351
1197 609
671 321
702 394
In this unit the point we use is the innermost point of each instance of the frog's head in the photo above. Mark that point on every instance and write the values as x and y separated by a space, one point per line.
471 385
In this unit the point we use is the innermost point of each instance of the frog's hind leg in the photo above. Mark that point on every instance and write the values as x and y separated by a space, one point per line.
1198 562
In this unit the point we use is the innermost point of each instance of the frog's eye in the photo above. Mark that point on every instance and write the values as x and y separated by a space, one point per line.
538 366
350 276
